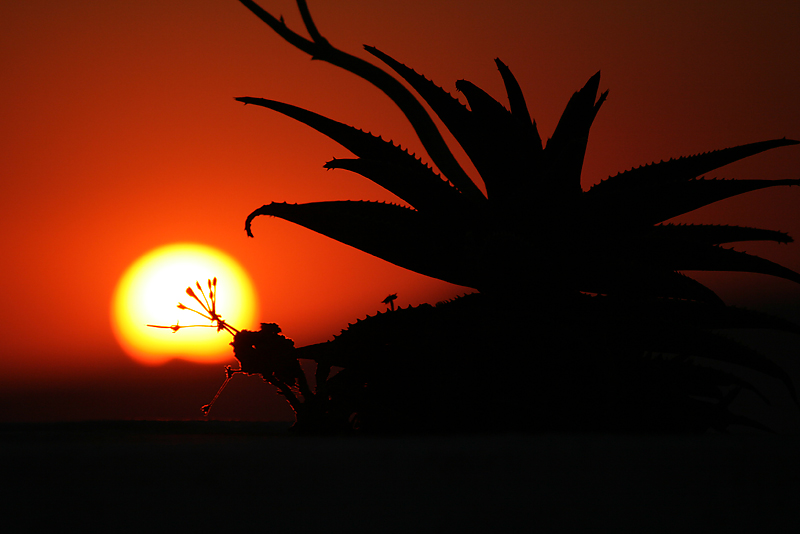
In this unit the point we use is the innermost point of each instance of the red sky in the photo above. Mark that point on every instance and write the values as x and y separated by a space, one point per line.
120 134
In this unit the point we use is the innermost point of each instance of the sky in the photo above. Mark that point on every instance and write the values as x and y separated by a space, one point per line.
120 135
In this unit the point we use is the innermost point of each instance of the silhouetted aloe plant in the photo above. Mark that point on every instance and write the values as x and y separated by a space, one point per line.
602 270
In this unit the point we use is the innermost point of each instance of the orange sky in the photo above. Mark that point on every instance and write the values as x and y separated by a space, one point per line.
120 134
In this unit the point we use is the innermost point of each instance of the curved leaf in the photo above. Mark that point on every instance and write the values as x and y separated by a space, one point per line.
519 109
393 233
638 284
420 180
682 169
422 123
691 314
499 146
567 146
505 144
648 204
716 347
715 234
695 257
416 185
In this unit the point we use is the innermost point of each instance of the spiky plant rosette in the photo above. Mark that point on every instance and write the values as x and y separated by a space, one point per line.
600 272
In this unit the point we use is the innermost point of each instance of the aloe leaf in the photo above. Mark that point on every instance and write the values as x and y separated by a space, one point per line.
420 179
741 420
396 234
416 114
418 185
702 315
455 115
721 378
692 257
505 143
629 282
716 347
715 234
501 148
700 380
566 149
684 168
692 314
649 204
516 100
686 328
483 104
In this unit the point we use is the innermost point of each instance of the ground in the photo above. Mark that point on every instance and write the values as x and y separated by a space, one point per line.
136 476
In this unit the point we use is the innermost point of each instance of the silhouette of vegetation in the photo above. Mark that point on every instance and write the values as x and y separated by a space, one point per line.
389 301
582 319
209 307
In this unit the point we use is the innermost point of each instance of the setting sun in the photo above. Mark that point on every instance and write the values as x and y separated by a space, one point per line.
153 286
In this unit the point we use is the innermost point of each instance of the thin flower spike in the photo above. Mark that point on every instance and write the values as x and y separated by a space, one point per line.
211 315
210 309
229 372
207 306
212 297
190 292
174 327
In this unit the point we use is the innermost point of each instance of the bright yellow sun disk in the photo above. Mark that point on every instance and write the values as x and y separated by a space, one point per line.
150 290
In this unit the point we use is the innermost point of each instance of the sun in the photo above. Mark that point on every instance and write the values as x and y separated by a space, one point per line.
150 290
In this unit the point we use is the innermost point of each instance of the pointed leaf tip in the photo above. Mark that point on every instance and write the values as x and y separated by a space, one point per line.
593 82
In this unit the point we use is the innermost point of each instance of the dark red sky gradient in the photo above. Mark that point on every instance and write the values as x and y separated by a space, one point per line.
120 134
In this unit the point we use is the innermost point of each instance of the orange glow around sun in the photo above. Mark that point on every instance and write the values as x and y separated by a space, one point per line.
150 290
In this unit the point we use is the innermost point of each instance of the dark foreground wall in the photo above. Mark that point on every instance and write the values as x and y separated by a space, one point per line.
203 477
